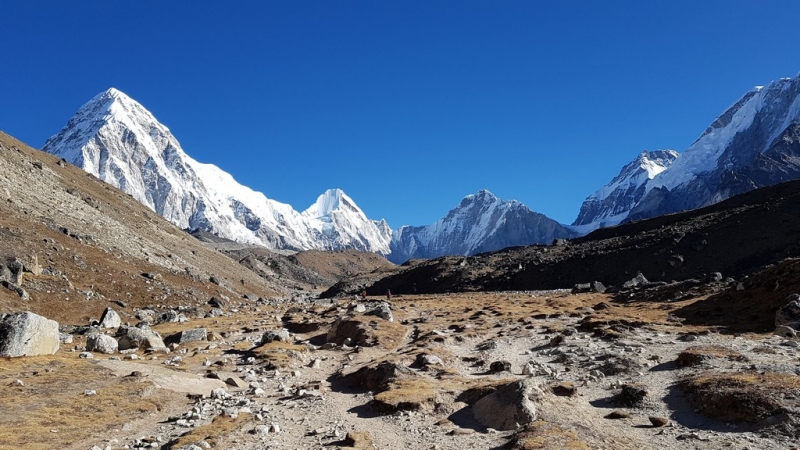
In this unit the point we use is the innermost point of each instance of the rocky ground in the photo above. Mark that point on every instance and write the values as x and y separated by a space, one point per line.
600 373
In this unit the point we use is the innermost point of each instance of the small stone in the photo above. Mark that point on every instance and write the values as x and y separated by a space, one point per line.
274 427
658 421
85 355
500 366
89 392
219 393
618 415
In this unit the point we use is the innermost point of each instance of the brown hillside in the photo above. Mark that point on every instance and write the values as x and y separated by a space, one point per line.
93 244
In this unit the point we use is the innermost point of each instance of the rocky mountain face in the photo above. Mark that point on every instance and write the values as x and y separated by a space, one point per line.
752 144
480 223
116 139
612 203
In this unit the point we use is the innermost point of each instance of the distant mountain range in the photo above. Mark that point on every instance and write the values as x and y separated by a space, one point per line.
755 143
119 141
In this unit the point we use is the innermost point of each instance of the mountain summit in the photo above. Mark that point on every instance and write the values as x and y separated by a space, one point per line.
480 223
755 143
119 141
612 203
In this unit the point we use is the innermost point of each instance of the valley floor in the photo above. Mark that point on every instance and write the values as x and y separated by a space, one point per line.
415 380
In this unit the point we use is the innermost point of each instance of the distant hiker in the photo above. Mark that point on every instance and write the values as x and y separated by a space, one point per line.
388 294
364 294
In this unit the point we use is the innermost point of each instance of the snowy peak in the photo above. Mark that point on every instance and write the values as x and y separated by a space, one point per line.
480 223
611 203
330 201
116 139
336 218
752 144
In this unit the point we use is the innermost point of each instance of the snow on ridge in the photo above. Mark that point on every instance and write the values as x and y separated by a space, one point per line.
644 167
704 154
117 139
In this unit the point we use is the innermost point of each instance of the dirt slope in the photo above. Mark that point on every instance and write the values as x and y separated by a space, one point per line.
93 243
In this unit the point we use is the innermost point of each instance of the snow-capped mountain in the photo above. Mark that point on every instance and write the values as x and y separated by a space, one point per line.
754 143
480 223
336 219
116 139
612 203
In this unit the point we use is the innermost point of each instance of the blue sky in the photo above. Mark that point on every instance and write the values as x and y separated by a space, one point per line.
406 105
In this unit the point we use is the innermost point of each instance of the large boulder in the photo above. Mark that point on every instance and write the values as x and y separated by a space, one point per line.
110 319
510 406
186 336
102 343
275 335
135 337
28 334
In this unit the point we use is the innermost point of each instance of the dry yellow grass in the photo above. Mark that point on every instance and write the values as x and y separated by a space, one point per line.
696 355
408 394
51 410
542 435
742 396
281 355
219 428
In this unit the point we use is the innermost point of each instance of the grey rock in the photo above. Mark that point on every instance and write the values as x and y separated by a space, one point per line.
382 310
510 406
216 302
638 280
170 316
28 334
275 335
193 335
102 343
23 294
110 319
789 313
425 360
146 315
785 331
139 337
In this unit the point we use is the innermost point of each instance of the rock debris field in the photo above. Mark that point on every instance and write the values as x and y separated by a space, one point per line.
524 370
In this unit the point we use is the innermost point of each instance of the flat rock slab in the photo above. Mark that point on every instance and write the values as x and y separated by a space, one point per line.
166 378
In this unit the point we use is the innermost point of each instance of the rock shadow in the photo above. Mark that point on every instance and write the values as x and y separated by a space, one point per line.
683 413
463 418
364 411
664 366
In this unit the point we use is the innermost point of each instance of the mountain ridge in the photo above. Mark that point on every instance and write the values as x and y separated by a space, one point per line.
116 139
754 143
